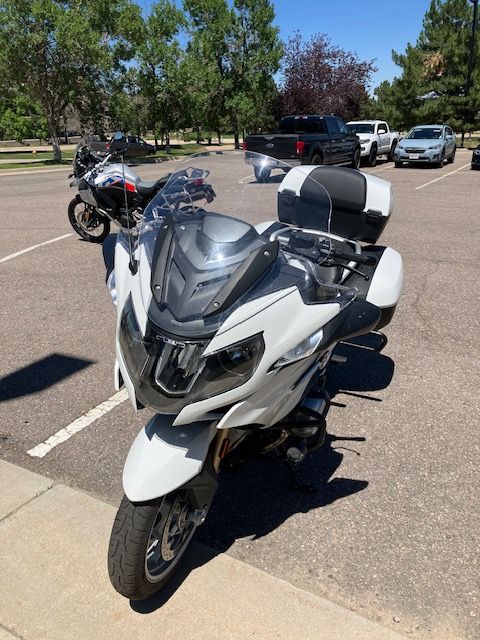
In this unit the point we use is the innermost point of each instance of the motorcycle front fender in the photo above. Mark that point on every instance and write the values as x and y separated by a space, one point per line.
163 458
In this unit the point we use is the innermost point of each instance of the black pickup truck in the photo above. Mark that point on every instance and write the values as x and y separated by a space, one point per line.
304 140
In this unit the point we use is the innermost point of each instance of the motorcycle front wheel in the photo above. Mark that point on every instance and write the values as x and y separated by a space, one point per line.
147 542
87 222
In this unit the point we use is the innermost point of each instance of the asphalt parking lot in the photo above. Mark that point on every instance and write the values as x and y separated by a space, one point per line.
394 529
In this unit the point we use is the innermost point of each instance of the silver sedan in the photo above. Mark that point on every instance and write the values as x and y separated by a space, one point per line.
427 144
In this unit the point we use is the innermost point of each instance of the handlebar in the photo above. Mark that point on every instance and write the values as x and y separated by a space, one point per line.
352 257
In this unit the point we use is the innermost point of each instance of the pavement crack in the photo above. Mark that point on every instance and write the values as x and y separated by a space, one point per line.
12 513
12 632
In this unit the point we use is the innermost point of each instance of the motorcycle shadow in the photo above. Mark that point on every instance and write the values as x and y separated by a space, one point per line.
255 499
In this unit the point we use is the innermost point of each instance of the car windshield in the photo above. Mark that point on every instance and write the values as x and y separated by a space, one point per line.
425 133
361 127
206 258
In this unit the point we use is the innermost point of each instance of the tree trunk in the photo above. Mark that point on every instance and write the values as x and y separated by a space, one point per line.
237 139
209 138
197 129
167 141
463 138
57 152
156 142
219 135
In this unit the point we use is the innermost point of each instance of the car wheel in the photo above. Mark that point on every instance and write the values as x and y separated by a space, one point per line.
317 159
392 151
439 164
398 164
451 160
372 156
356 159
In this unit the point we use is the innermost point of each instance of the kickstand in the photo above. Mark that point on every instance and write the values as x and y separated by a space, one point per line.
298 481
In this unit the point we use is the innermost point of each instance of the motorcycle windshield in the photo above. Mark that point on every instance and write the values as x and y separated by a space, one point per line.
229 229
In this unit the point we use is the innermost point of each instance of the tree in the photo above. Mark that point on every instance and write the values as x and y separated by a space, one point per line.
255 53
432 85
58 53
21 118
319 77
208 65
159 63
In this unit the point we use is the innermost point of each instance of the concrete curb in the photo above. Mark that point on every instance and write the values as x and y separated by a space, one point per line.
61 589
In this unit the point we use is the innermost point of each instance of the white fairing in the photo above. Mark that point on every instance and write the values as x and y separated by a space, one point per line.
379 195
387 281
162 459
279 337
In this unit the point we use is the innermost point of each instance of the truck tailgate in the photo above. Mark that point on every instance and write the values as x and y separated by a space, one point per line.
275 145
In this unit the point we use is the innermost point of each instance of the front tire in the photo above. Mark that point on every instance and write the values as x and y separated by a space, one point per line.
451 160
147 543
439 164
398 164
391 155
356 159
372 156
86 221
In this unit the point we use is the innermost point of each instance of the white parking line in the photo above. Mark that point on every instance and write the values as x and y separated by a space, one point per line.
77 425
35 246
442 177
390 166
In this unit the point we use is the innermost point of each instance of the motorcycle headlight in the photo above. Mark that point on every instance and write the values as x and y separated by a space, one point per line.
230 367
135 348
302 350
173 369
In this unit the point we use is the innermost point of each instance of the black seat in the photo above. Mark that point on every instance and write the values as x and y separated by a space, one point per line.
148 187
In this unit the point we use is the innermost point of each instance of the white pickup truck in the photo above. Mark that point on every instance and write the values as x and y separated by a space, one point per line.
376 139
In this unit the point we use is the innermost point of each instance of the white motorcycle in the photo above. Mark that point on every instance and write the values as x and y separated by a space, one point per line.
225 331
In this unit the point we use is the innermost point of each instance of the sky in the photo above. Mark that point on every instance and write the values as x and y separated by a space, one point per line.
371 28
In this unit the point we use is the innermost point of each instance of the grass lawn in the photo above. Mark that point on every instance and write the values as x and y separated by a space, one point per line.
470 143
181 150
46 157
40 155
36 165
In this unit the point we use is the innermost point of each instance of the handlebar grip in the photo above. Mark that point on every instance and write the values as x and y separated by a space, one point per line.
355 257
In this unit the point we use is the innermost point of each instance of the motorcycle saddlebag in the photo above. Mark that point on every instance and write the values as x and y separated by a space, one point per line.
361 203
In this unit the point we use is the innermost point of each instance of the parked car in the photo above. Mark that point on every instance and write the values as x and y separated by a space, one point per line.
136 146
376 139
476 158
427 144
312 139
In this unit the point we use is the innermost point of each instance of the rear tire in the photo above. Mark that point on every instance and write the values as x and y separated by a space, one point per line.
317 159
262 174
398 164
94 229
147 543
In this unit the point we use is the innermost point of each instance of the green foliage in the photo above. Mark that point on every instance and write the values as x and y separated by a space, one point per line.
21 118
433 83
231 59
60 53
